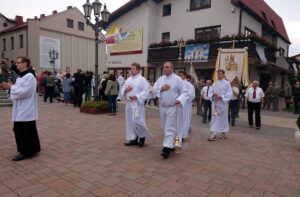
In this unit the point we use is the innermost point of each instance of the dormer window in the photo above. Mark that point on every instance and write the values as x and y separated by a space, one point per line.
264 16
273 24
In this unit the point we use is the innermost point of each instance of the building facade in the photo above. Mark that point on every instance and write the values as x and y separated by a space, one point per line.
164 22
66 32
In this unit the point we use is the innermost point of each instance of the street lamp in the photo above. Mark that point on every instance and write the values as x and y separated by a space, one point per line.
97 27
53 57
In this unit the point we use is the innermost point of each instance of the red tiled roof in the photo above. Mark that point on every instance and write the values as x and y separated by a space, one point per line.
15 28
261 8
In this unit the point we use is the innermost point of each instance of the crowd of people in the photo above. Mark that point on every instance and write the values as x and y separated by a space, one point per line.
218 102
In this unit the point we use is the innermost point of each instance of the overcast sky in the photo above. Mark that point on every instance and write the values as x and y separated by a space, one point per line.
287 9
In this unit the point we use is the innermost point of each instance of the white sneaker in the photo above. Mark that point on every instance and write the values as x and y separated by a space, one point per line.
222 136
213 137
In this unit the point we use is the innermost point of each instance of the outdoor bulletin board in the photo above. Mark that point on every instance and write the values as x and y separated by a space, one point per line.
46 44
132 44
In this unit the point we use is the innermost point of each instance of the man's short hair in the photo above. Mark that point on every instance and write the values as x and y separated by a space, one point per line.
221 70
183 73
136 65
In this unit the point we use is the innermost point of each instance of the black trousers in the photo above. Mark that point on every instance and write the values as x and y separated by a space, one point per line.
27 138
296 106
254 107
78 92
233 110
49 92
207 108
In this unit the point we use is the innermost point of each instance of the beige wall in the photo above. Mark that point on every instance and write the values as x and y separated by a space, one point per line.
2 21
251 23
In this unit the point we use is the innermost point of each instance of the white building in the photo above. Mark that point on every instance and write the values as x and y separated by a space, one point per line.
170 20
65 31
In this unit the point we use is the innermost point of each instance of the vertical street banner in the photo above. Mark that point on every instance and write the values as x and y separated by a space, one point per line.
235 64
46 44
196 53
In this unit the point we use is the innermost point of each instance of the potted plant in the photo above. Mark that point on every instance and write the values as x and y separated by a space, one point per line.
297 133
94 107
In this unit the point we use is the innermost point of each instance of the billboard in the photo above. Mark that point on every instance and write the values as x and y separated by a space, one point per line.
196 53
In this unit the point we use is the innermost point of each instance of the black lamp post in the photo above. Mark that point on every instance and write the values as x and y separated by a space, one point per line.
53 56
97 27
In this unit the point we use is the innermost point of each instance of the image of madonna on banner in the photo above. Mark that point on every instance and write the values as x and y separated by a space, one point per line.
235 64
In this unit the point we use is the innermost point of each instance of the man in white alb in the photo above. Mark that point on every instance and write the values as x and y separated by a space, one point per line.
221 94
135 91
254 101
121 82
172 94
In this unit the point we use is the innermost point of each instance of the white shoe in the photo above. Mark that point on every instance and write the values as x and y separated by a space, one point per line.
222 136
213 137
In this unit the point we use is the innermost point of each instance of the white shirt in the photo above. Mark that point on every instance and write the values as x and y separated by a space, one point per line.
24 99
259 94
205 93
235 90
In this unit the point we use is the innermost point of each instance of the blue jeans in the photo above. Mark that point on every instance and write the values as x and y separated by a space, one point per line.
112 103
67 96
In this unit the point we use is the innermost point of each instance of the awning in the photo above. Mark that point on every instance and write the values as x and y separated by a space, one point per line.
261 53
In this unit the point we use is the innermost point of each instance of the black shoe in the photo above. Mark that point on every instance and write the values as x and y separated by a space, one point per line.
232 124
131 143
166 152
142 142
257 128
204 121
19 157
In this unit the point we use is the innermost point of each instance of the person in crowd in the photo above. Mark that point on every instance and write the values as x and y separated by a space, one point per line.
41 86
206 102
287 94
254 101
67 87
151 96
87 85
121 82
78 83
233 103
112 91
268 96
49 87
103 83
296 97
24 112
221 93
198 89
275 95
172 93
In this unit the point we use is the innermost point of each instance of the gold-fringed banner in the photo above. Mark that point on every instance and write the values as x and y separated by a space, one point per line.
235 64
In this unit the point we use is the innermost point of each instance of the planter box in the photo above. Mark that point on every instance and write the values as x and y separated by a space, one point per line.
93 111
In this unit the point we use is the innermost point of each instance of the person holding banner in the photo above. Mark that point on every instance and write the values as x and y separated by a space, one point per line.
221 93
172 94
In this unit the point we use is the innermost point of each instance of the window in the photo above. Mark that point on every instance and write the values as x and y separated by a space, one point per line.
81 26
273 24
167 9
12 43
21 40
4 24
165 37
70 23
249 32
281 51
208 33
199 4
4 44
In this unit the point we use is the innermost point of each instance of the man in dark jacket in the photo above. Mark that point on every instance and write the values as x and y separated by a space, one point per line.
78 88
296 96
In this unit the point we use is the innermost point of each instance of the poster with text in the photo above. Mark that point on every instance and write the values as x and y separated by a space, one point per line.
47 44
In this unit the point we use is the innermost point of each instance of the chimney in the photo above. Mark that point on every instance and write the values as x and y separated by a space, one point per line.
54 12
69 7
42 16
35 17
19 20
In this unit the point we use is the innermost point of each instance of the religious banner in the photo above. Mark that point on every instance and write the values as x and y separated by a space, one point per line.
131 44
46 44
196 53
235 64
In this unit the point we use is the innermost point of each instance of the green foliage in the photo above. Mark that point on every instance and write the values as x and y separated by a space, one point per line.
95 105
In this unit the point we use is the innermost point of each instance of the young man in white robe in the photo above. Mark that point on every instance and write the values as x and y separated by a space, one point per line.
187 109
24 112
172 94
121 82
135 91
221 93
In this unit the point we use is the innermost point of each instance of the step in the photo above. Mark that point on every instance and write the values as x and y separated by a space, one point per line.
3 97
5 101
5 104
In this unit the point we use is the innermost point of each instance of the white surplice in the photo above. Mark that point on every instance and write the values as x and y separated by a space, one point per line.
135 109
170 113
187 110
121 82
23 96
219 123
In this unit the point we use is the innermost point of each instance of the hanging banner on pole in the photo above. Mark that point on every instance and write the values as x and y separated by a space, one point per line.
235 64
196 53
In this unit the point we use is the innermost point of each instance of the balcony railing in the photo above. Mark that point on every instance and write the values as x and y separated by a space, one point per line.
172 53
